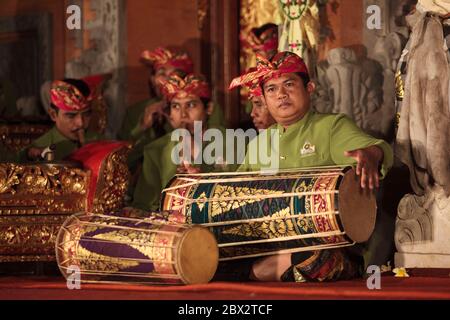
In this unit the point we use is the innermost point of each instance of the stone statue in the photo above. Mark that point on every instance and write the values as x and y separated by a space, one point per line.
423 137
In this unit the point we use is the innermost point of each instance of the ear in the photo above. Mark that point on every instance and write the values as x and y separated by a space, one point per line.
53 114
263 100
310 87
210 108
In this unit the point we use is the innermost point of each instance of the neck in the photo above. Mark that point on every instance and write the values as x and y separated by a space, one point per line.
286 123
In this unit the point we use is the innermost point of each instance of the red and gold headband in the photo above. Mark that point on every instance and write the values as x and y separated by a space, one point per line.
282 63
162 56
175 86
253 89
67 97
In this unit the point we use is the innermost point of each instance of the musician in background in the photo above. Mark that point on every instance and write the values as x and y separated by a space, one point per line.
264 42
189 100
309 139
70 109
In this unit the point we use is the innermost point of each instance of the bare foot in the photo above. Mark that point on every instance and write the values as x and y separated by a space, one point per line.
271 268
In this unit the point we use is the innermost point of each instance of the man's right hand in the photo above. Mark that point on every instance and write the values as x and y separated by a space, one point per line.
151 112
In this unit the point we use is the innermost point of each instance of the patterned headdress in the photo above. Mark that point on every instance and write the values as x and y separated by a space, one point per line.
267 41
67 97
282 63
253 88
162 56
96 83
182 87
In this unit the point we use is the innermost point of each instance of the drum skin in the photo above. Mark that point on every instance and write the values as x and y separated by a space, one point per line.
251 213
115 249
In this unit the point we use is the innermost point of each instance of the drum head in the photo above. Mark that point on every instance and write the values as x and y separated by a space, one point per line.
357 208
198 256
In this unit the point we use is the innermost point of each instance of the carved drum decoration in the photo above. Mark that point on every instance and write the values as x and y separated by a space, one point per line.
36 198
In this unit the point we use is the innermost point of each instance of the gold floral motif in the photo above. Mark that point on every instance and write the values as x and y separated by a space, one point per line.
157 247
23 180
15 137
271 229
26 238
9 177
36 199
113 183
91 261
239 194
201 201
40 189
280 228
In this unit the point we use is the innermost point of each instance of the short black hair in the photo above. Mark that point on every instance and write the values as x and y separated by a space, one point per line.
77 83
205 101
260 30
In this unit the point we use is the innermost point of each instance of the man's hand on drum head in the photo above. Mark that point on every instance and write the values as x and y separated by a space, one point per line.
367 163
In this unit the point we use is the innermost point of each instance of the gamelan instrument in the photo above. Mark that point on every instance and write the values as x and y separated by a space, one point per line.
254 214
106 248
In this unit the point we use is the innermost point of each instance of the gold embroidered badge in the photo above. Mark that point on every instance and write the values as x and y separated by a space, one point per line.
308 149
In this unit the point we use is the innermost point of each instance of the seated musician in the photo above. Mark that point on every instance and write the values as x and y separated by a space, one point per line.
145 121
263 41
71 111
309 139
261 117
189 101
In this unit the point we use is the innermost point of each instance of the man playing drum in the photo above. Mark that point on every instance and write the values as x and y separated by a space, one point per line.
309 139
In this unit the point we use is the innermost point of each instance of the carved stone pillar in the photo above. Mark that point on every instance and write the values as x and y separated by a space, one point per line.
422 230
105 54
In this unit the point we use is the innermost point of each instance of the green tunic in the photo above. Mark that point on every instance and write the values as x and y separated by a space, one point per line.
7 155
130 126
64 146
318 140
158 169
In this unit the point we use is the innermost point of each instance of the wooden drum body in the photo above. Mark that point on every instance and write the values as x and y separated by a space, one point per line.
255 215
117 249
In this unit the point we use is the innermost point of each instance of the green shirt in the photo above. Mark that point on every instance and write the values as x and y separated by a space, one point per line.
317 140
158 169
64 146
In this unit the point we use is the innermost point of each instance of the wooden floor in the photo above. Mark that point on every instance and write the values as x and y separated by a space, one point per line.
392 288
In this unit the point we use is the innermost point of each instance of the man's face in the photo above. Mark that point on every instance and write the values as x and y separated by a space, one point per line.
161 75
261 117
287 98
185 110
69 123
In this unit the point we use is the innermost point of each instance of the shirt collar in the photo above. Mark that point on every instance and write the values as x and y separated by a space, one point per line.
297 125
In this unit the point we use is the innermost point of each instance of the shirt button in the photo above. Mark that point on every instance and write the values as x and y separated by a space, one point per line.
282 157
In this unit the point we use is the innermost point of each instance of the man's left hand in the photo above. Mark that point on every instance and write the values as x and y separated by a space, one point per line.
367 163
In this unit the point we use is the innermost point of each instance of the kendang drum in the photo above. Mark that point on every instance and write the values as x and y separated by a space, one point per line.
255 214
117 249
